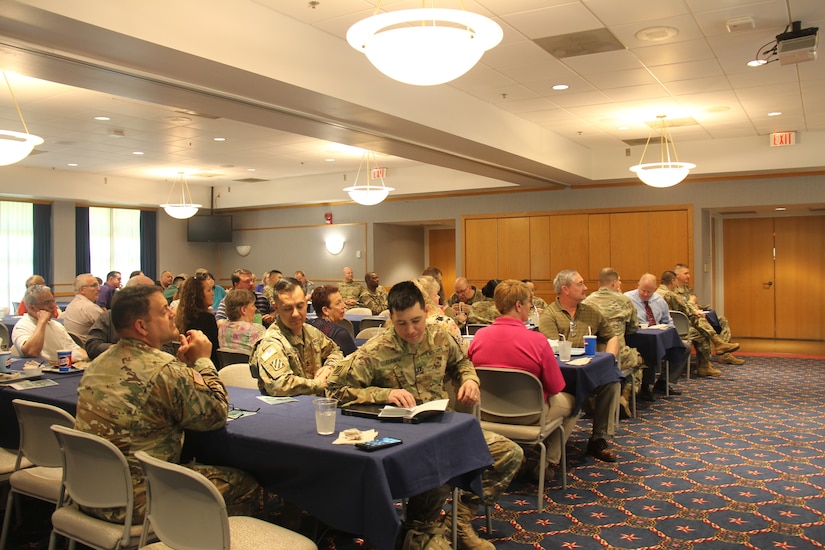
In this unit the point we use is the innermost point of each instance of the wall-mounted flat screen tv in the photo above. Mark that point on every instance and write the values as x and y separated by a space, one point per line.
209 229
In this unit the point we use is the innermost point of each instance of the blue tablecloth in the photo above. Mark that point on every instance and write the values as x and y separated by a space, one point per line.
581 381
654 345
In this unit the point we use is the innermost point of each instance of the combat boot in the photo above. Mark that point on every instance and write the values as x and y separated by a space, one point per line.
708 370
624 402
723 347
468 539
730 359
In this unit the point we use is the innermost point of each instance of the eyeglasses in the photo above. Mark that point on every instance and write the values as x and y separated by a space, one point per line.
96 285
235 412
47 303
572 328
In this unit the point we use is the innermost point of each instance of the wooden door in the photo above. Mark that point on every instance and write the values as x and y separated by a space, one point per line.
749 277
800 263
442 254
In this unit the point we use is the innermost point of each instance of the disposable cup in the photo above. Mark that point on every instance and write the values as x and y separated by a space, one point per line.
5 360
64 360
590 345
325 415
565 347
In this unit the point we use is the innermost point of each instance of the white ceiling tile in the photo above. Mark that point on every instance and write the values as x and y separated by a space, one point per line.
597 62
619 79
636 92
706 68
614 13
688 30
554 20
674 52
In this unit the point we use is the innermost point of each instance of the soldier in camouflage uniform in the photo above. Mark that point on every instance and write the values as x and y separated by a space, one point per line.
484 312
141 398
405 365
702 334
350 290
375 296
293 358
621 314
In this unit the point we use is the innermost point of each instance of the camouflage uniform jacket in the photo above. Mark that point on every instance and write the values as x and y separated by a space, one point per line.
387 362
556 321
376 301
287 363
622 316
483 312
350 291
142 399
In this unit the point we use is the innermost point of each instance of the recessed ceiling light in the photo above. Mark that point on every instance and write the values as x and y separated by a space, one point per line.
137 152
329 159
72 164
219 139
775 113
250 169
656 34
102 118
178 119
560 87
622 128
780 208
757 63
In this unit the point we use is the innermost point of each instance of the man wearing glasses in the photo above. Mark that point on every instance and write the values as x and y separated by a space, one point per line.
36 334
82 311
567 317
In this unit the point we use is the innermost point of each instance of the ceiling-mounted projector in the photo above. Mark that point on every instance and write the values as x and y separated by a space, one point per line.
797 45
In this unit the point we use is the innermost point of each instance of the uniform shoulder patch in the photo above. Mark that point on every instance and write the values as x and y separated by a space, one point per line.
196 376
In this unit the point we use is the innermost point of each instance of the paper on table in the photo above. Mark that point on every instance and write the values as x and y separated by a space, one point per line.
660 327
273 400
580 362
367 435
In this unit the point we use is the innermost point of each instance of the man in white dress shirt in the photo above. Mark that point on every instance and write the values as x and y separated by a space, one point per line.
36 334
82 311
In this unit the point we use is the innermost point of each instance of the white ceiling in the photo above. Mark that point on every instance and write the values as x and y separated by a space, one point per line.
700 73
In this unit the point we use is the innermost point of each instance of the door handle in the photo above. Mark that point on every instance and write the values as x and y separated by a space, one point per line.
767 285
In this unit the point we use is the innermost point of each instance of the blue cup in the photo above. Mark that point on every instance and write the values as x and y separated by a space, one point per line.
590 345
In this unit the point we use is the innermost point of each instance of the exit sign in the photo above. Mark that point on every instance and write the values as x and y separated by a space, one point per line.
378 173
780 139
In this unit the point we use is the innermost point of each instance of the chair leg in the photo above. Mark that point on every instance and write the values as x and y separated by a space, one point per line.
542 466
563 459
454 513
7 519
488 511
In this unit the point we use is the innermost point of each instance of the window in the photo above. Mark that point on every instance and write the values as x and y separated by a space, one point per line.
114 240
17 240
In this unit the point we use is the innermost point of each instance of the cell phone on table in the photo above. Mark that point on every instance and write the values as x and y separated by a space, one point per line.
380 443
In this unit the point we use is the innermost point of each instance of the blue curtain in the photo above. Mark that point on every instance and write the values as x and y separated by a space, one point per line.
42 254
83 253
149 243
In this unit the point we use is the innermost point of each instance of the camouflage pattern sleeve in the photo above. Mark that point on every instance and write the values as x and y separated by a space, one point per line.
280 369
196 393
330 352
353 380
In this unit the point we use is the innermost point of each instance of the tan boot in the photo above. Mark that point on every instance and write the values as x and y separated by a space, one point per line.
707 370
468 539
624 402
723 347
730 359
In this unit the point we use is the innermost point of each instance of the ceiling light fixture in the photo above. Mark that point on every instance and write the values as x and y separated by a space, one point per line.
182 209
425 46
668 172
15 146
369 194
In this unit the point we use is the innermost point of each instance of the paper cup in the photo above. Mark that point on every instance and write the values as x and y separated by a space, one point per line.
565 348
64 360
590 345
5 361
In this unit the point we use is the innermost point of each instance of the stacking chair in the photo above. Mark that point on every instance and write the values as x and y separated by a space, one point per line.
347 324
38 447
95 475
187 512
369 332
238 376
682 324
370 322
515 394
472 329
360 311
228 356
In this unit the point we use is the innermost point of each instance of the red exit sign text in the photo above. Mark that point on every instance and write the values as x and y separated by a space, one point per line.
780 139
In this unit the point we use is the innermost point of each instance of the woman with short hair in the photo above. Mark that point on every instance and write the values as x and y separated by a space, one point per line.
240 332
330 308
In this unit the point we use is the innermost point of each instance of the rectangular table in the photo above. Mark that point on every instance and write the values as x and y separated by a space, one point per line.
346 488
581 381
658 346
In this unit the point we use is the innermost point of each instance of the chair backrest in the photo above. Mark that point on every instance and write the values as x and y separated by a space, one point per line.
184 508
347 324
510 393
95 473
472 329
371 322
37 442
681 322
360 311
238 376
385 313
231 356
368 333
5 339
77 339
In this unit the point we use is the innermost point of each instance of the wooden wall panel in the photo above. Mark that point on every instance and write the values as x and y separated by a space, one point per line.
800 261
480 249
568 242
629 244
669 241
540 248
513 248
599 245
442 254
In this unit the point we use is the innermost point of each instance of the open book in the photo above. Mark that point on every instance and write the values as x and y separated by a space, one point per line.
414 414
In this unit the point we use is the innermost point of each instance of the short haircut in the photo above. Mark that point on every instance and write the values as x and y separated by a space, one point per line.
607 275
405 295
297 273
510 291
490 288
563 278
35 280
112 274
134 273
668 277
274 271
432 271
367 276
130 304
288 286
236 275
647 277
235 300
80 280
33 292
178 279
320 297
680 267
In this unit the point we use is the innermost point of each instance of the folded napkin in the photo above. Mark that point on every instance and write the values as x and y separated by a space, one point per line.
367 435
580 362
660 327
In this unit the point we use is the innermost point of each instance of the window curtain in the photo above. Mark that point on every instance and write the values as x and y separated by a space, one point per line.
83 252
42 250
149 243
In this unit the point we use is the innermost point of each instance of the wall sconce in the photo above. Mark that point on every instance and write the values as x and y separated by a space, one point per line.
243 250
334 245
